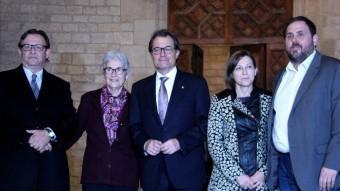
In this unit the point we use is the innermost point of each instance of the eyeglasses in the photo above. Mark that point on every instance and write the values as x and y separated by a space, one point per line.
167 50
117 71
300 35
36 47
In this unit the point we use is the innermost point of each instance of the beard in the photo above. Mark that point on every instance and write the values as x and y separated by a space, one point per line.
297 54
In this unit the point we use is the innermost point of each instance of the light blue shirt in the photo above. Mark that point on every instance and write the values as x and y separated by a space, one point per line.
29 76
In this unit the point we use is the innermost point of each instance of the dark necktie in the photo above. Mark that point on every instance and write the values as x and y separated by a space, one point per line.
34 86
162 99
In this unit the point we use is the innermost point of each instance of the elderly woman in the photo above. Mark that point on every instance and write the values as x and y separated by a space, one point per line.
237 129
109 160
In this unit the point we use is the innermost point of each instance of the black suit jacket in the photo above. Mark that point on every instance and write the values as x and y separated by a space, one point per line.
22 167
186 120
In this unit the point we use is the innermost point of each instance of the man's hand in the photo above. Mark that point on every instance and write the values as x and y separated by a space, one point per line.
327 178
258 180
48 147
152 147
38 140
170 146
245 181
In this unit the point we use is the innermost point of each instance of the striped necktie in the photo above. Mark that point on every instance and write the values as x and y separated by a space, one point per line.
34 86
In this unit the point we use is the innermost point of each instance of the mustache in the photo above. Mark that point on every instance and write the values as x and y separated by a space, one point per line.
294 45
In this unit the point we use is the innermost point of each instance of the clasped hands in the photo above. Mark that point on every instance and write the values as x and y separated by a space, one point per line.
39 140
154 147
251 182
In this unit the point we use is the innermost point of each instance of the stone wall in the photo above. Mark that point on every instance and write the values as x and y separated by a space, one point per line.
81 31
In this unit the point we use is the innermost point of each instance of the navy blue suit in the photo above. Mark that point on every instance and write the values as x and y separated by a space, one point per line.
185 120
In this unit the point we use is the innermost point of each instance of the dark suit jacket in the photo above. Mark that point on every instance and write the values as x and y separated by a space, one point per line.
313 124
115 164
186 120
20 111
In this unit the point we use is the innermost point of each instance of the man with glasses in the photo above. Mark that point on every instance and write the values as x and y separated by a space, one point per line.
168 117
37 117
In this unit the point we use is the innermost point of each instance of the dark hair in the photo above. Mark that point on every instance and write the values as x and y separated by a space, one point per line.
164 33
308 22
232 63
37 32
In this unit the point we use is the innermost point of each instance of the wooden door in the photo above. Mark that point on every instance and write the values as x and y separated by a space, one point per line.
270 59
259 53
191 59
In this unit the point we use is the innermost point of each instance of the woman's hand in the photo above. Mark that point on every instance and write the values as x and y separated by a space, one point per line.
245 181
258 179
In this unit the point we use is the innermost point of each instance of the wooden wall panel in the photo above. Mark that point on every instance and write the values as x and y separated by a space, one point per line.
228 21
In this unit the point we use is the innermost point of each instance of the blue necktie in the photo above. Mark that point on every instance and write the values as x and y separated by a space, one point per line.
162 99
34 86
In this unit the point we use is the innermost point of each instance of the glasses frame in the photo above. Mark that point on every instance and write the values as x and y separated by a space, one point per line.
117 71
167 50
36 47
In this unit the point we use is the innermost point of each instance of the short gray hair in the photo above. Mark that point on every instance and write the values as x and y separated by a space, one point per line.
117 56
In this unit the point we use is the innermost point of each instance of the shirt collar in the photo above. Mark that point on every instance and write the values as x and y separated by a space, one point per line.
304 65
29 73
171 74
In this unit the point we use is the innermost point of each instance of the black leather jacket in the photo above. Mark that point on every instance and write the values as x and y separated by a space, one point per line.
247 133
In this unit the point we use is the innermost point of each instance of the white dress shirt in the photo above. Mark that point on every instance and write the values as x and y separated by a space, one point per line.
168 83
29 76
284 100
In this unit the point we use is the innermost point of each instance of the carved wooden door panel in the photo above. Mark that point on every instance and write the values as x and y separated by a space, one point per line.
228 21
198 21
276 60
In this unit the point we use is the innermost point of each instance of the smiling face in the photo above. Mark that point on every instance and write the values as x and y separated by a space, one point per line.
244 72
33 58
165 59
115 77
299 41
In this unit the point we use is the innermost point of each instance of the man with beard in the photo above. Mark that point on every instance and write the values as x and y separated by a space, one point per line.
304 124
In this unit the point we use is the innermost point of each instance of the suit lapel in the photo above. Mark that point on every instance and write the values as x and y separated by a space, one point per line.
177 93
24 84
151 87
308 79
96 104
44 85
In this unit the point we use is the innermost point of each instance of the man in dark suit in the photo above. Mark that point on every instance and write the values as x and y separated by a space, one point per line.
37 117
304 130
168 116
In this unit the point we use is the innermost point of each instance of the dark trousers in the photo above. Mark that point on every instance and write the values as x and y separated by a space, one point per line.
287 181
166 185
102 187
25 169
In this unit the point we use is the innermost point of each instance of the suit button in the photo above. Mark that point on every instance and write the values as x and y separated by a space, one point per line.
109 166
37 108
